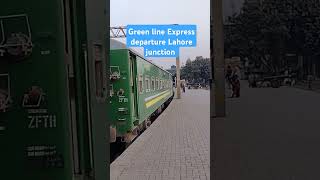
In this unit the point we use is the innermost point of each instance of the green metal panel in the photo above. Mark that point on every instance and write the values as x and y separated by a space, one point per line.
37 138
79 37
30 134
120 108
150 100
96 28
139 106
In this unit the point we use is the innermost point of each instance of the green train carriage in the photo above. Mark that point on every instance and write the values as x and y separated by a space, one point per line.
138 90
53 97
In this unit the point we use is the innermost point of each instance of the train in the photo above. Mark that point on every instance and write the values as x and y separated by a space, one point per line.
56 104
139 89
53 99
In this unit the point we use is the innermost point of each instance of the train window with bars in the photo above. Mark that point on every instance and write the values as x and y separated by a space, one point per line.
152 84
140 84
157 83
147 84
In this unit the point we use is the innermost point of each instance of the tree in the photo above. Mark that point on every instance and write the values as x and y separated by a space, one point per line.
186 71
265 32
196 71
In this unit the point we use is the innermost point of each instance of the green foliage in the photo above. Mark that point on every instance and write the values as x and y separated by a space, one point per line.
196 71
265 31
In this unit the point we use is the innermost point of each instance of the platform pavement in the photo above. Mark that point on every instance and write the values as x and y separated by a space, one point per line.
269 133
175 147
304 85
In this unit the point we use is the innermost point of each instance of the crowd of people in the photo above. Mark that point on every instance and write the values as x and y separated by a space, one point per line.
233 81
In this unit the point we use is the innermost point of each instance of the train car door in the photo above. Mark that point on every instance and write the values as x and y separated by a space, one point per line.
72 82
96 47
68 55
133 84
87 87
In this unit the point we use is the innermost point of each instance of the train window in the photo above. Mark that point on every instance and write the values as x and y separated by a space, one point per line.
140 84
157 83
161 82
147 84
152 84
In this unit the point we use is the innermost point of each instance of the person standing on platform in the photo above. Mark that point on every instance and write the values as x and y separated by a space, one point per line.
183 88
229 76
235 86
310 79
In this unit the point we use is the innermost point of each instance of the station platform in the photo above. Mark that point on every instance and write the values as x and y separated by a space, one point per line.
175 147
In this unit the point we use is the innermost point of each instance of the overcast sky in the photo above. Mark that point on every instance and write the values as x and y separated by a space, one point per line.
124 12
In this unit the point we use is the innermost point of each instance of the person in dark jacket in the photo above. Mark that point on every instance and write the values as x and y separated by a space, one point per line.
235 86
229 76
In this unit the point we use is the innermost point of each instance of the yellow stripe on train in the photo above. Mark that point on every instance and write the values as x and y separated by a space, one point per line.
157 99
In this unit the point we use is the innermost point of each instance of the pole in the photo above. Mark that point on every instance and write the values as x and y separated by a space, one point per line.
218 153
218 53
178 78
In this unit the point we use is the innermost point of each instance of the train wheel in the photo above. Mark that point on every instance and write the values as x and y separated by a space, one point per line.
141 128
149 123
146 124
127 145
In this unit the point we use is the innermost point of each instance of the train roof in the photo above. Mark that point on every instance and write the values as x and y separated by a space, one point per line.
114 44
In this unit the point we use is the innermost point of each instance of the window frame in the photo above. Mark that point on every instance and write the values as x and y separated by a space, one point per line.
147 83
140 86
157 83
153 88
